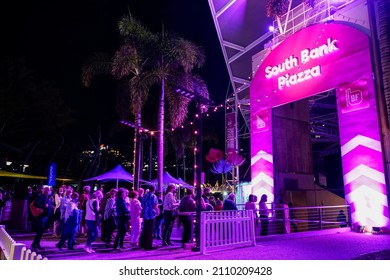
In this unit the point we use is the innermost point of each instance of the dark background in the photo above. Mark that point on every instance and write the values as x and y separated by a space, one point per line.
54 38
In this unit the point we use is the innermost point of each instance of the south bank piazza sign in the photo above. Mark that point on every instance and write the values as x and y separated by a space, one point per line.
293 71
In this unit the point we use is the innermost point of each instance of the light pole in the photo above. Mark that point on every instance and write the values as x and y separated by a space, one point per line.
200 100
138 146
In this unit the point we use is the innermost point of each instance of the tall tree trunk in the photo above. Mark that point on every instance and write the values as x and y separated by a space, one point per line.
160 144
383 31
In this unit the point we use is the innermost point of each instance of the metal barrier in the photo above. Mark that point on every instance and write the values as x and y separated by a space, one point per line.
303 219
226 228
11 250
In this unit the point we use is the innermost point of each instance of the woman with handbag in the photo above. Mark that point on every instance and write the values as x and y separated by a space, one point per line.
123 215
40 223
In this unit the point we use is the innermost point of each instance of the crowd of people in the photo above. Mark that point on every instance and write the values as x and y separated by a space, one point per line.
117 216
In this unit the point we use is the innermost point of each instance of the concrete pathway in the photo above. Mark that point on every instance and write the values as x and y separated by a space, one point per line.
324 245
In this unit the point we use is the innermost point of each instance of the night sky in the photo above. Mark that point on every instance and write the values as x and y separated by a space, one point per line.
56 37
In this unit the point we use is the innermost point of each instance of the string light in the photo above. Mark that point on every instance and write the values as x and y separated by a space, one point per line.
211 109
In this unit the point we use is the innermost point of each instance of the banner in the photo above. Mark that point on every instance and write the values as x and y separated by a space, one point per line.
51 179
231 133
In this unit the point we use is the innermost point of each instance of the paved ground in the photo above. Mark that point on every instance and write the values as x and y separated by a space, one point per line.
325 245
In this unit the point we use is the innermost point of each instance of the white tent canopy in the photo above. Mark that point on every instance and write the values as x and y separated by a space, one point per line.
117 174
169 179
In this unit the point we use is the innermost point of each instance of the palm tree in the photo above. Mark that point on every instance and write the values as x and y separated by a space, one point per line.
131 64
175 60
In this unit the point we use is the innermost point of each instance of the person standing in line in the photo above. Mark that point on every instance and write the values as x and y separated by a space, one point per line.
63 204
251 205
141 193
57 212
123 214
82 206
218 205
40 223
157 231
135 218
230 203
264 213
206 195
169 207
72 223
150 211
187 204
91 216
109 217
102 207
282 217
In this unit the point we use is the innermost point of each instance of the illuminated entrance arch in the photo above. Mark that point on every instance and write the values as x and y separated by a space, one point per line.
314 60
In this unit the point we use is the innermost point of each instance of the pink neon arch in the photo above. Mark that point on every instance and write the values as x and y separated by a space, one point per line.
342 54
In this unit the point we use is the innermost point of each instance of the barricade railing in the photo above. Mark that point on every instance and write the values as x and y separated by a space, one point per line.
12 250
226 228
303 219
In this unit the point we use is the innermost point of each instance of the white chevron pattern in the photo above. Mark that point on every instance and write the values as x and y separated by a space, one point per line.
363 170
262 155
363 141
263 177
365 193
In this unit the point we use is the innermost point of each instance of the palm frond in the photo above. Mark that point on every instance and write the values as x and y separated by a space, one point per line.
134 31
125 62
96 64
178 109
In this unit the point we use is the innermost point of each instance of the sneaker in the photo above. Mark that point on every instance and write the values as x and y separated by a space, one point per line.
88 250
164 244
59 247
170 243
123 247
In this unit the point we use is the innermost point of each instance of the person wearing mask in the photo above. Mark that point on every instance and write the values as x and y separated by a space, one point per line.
40 223
72 223
169 207
135 218
91 216
150 211
123 214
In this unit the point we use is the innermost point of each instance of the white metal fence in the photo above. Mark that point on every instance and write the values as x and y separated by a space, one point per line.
227 228
303 219
11 250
